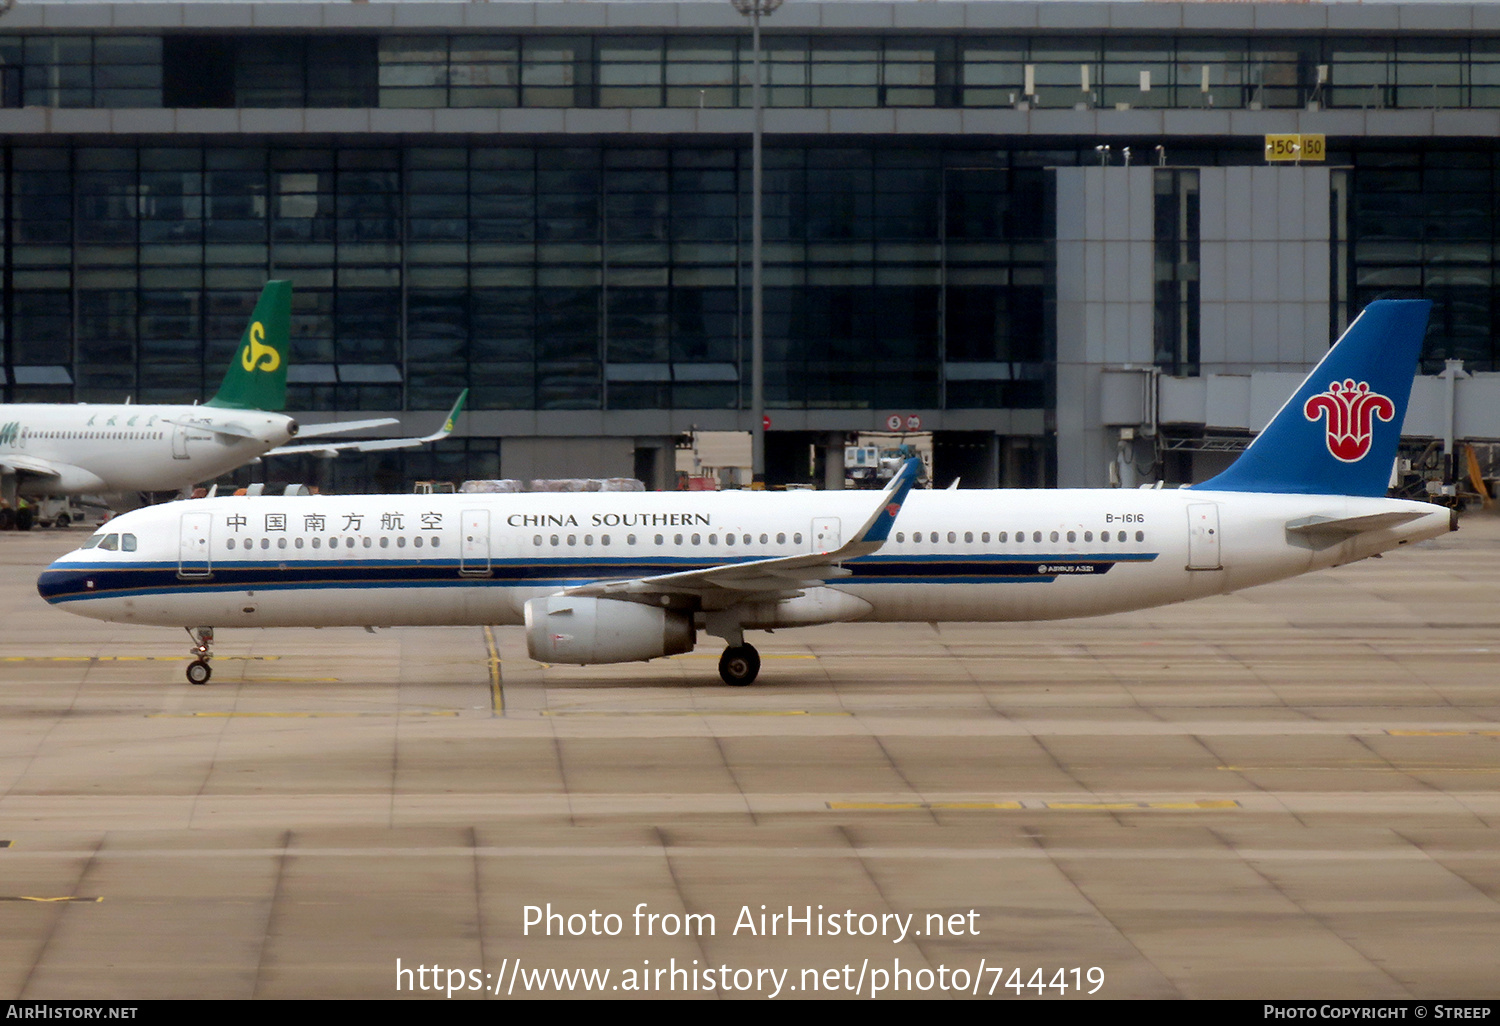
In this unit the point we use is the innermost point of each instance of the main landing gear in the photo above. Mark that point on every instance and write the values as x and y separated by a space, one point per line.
198 671
739 665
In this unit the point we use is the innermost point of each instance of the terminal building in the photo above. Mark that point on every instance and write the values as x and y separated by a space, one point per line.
1049 233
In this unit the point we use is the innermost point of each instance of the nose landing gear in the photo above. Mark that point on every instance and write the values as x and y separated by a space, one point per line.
739 665
198 671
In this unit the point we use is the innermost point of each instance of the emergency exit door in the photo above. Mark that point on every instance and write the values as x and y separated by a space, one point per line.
825 534
1203 536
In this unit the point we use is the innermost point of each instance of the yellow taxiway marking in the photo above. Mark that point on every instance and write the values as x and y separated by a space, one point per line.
688 712
294 715
497 697
1200 804
903 806
1443 733
61 897
123 659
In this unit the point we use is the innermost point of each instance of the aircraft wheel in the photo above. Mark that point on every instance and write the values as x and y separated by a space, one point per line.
739 665
198 672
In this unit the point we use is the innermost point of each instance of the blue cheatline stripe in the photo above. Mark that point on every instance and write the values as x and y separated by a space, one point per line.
78 581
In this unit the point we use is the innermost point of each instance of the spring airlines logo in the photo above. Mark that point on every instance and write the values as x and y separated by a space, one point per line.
257 355
1351 411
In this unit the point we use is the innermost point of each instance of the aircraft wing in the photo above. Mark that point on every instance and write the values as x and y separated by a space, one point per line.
330 449
761 579
318 430
18 464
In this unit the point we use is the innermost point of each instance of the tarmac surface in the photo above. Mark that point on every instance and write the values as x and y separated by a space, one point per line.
1292 792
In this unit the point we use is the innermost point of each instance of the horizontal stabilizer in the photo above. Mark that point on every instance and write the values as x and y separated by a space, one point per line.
1353 525
1321 532
228 428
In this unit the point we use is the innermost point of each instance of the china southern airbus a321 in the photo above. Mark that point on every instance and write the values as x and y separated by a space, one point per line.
95 448
613 577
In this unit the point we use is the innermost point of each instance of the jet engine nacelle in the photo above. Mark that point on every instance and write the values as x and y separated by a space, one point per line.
561 629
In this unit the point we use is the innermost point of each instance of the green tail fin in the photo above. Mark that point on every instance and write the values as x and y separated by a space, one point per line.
256 379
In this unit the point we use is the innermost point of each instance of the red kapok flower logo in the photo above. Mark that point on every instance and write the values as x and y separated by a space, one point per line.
1351 411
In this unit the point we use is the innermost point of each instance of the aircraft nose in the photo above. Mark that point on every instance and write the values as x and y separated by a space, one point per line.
58 583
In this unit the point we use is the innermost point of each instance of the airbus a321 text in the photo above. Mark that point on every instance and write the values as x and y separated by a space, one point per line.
614 577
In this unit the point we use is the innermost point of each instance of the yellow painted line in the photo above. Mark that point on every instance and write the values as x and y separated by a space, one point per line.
1367 767
1444 733
497 697
922 806
124 659
1202 803
293 715
687 712
29 897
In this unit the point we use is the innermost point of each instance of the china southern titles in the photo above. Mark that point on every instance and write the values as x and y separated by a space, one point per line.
611 520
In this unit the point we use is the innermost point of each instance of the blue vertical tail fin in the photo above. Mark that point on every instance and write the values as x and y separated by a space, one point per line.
1337 435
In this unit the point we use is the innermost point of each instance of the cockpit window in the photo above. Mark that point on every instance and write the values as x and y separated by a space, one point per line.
127 543
111 543
93 540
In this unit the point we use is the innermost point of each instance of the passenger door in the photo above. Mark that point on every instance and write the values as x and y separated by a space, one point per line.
474 547
193 539
1203 536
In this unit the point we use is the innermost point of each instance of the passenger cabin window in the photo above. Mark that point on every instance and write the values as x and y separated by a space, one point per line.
228 544
1140 536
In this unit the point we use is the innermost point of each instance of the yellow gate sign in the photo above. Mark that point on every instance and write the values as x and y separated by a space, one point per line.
1295 147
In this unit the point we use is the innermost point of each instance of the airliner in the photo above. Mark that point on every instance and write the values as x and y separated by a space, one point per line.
90 448
614 577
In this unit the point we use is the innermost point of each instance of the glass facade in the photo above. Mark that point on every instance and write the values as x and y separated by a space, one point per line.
604 277
844 70
1423 221
609 273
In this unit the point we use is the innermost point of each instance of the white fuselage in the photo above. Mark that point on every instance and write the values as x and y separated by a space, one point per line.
60 449
390 560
